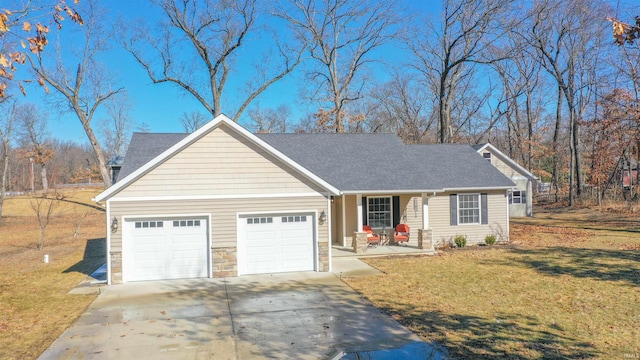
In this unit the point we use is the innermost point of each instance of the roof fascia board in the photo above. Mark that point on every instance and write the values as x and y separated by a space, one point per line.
488 188
387 192
418 191
195 136
508 160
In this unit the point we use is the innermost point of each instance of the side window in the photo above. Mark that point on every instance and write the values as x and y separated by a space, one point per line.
518 197
469 209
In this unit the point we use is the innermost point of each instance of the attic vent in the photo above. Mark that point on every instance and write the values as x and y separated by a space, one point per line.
487 156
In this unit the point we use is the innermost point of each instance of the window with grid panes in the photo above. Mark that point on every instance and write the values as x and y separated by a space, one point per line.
469 209
379 211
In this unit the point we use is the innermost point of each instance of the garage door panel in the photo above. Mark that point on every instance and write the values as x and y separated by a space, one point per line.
283 245
150 241
159 250
263 250
259 267
293 250
187 241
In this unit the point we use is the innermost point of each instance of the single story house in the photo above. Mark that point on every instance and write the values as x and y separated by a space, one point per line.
521 197
225 202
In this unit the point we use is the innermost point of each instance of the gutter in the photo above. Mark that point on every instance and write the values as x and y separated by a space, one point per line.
386 192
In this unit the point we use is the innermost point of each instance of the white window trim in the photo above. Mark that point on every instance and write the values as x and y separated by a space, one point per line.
523 199
390 209
479 209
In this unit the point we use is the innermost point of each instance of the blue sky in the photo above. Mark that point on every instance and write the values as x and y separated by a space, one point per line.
161 105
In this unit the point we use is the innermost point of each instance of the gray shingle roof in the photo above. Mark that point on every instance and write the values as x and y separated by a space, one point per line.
453 166
357 162
143 147
381 162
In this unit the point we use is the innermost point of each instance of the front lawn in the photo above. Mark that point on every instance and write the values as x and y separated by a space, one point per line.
568 290
35 307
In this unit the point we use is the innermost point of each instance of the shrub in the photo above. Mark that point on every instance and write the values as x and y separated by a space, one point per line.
490 239
460 240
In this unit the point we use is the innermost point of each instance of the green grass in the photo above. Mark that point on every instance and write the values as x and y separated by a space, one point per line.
561 292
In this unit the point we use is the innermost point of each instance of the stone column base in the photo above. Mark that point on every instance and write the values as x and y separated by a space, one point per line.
359 242
225 262
425 239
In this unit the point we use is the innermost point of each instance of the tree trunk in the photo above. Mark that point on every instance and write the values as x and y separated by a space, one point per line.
444 119
555 145
95 145
571 161
529 134
43 177
577 155
5 170
42 237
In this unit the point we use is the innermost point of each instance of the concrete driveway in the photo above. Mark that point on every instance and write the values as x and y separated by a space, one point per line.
300 315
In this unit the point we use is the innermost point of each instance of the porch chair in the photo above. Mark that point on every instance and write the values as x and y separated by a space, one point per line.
372 239
402 234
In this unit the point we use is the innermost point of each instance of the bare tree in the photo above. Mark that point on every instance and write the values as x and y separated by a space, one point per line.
401 105
270 119
522 103
33 134
445 53
342 36
117 126
44 207
6 131
78 77
192 121
199 45
567 37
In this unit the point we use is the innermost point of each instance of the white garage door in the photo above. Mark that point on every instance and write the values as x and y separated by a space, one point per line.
276 243
157 249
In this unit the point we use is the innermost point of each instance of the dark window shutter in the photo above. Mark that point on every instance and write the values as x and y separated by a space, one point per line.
510 197
396 210
365 206
523 197
453 208
484 212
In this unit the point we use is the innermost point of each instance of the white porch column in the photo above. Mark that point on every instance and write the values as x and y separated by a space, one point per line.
425 211
359 202
344 222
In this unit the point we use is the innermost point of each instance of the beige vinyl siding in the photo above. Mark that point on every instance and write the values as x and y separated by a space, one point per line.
351 217
411 215
443 232
224 214
221 162
336 221
504 168
516 210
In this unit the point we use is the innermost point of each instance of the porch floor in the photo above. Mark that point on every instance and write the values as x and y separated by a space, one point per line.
342 251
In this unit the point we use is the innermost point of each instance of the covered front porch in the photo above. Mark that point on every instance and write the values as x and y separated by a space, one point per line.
382 212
